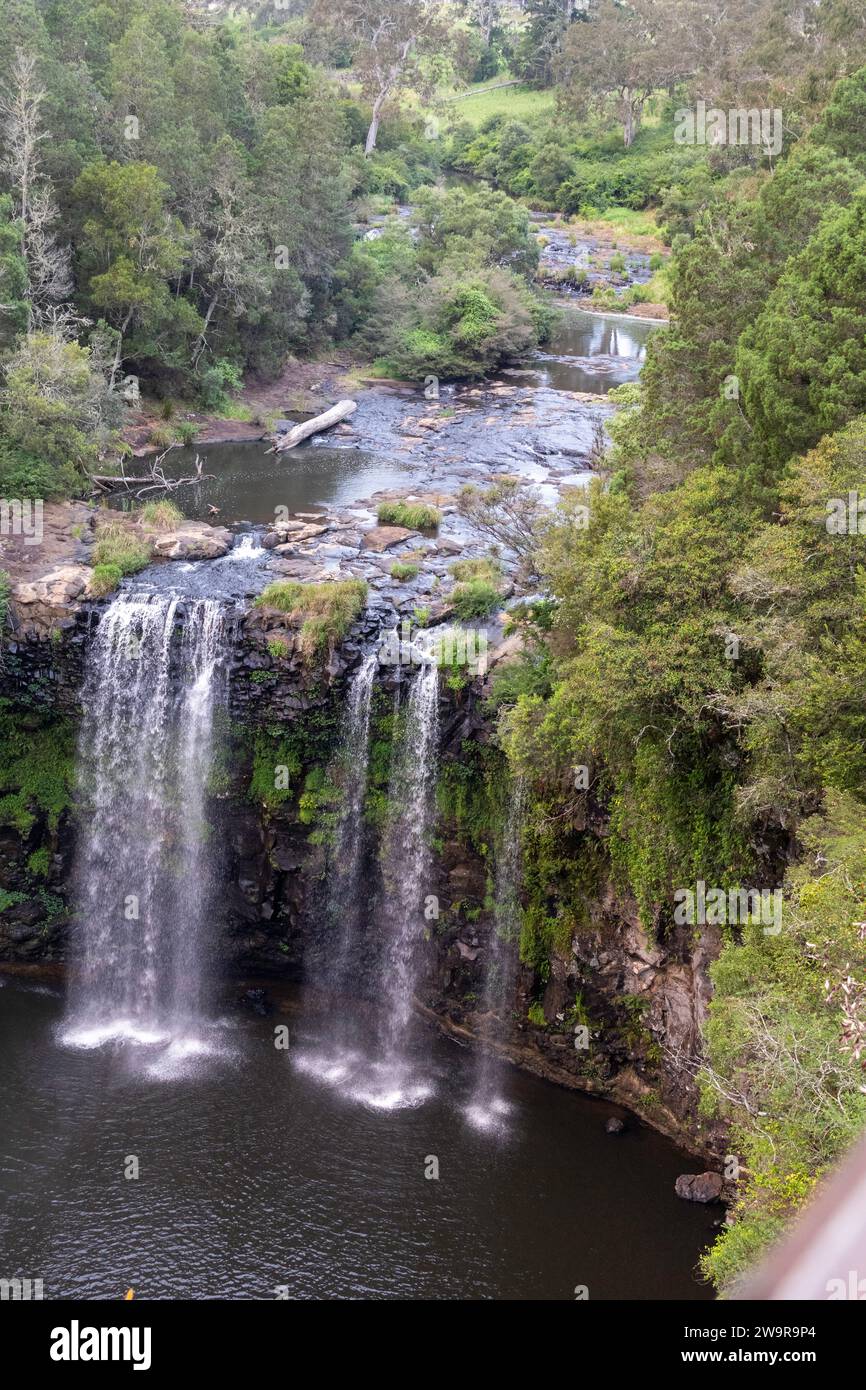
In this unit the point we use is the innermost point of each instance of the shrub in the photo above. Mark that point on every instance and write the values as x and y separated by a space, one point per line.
105 579
404 571
617 262
475 599
161 516
115 545
416 516
161 436
186 431
324 611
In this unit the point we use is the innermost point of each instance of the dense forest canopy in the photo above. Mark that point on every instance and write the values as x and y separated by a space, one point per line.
184 192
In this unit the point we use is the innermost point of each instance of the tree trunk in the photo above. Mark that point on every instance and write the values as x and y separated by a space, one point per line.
627 119
373 132
201 340
338 412
118 352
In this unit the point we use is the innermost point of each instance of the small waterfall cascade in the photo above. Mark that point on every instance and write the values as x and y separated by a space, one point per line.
345 896
378 1070
144 872
488 1107
406 855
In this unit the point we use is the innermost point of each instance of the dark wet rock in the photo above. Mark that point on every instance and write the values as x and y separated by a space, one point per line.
256 1001
699 1187
615 1125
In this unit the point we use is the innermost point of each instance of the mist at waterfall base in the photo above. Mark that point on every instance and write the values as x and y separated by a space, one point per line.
255 1177
144 877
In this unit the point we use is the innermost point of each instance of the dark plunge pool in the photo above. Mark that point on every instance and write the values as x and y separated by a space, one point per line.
256 1174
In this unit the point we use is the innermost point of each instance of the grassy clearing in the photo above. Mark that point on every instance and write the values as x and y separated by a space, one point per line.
624 226
118 547
517 103
324 611
161 516
416 516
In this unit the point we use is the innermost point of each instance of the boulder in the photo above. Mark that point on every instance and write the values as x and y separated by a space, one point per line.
194 540
699 1187
615 1125
380 538
43 604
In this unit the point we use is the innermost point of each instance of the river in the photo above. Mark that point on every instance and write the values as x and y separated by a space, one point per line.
209 1162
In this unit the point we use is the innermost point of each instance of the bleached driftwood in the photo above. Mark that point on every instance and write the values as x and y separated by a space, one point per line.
341 411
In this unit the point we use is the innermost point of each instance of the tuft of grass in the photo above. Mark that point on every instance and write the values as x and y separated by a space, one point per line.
186 431
475 599
404 571
117 546
464 570
161 436
324 611
161 516
105 579
415 516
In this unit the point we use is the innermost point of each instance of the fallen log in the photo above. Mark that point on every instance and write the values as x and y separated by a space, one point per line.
341 411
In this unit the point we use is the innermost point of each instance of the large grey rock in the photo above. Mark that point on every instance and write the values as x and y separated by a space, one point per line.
42 604
699 1187
194 540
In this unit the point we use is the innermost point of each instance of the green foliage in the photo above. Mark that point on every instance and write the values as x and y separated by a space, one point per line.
324 611
274 749
403 571
485 568
475 227
465 324
782 1038
474 599
36 770
119 547
416 516
164 515
57 418
105 579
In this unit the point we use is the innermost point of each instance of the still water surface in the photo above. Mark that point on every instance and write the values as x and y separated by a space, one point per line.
254 1174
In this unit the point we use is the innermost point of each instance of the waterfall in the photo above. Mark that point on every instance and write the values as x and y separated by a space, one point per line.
488 1106
349 771
406 855
144 877
378 1071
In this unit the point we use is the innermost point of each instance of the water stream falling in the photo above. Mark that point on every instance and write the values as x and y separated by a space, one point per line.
379 1070
144 872
345 897
407 863
488 1106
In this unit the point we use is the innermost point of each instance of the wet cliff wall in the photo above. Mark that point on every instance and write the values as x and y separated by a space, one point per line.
599 1003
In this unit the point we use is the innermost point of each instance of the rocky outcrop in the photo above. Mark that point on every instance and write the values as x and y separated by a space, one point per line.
194 540
50 603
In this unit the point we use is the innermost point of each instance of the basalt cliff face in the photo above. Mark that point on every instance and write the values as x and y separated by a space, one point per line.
609 1009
